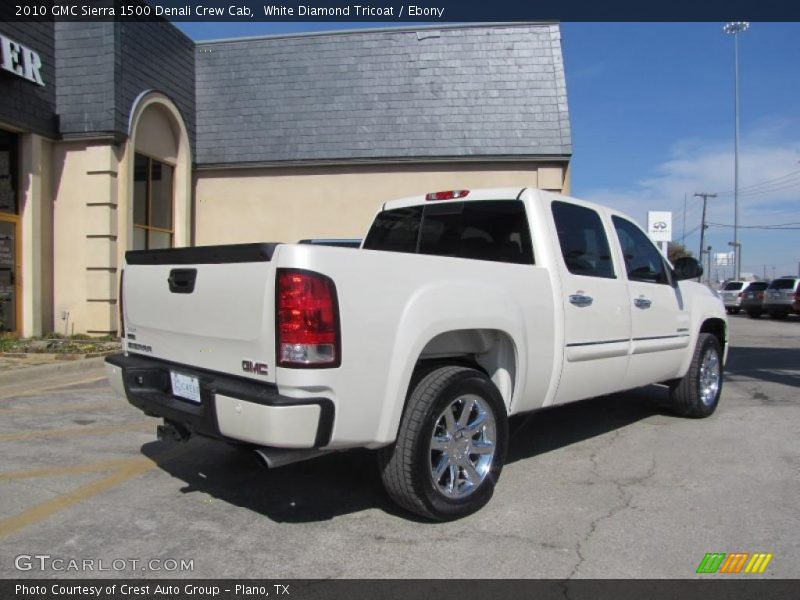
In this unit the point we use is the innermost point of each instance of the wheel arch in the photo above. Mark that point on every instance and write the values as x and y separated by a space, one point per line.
719 329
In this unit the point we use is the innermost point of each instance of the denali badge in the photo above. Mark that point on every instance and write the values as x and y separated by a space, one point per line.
257 368
139 347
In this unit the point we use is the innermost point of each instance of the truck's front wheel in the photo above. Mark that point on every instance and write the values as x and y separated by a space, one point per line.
697 394
450 447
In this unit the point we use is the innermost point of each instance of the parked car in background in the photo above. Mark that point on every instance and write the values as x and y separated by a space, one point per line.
732 293
779 298
752 301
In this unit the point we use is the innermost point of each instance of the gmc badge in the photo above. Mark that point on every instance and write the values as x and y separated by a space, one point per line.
257 368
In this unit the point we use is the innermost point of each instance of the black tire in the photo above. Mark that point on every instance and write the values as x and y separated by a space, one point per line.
406 465
754 314
736 311
685 394
778 314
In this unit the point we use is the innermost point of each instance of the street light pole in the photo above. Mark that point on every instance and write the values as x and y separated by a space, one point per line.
735 29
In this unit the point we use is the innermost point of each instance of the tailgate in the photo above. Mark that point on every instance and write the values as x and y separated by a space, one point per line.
208 307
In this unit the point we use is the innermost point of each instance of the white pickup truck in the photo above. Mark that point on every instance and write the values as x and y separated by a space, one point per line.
460 309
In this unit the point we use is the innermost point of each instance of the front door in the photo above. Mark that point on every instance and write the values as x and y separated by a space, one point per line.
659 317
9 274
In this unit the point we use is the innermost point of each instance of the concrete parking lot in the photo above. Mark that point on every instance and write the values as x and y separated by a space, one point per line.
612 487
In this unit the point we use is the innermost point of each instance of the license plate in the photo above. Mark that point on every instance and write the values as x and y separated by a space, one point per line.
185 386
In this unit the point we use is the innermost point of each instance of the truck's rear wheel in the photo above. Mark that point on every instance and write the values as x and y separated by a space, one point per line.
697 394
451 445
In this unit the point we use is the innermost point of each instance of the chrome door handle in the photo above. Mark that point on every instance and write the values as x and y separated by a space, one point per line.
642 302
581 300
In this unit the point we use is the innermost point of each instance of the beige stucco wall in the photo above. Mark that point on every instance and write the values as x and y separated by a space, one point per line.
92 185
289 204
84 236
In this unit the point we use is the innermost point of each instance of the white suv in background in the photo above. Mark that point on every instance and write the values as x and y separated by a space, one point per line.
732 294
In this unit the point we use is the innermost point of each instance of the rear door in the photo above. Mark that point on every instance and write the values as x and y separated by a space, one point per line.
597 320
659 317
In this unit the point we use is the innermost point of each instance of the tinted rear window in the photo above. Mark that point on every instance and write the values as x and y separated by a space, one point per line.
395 230
733 285
495 230
757 286
782 284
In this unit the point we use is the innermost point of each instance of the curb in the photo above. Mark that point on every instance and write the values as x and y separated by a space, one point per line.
57 369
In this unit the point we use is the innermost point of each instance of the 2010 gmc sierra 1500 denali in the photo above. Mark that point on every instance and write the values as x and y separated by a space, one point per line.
460 309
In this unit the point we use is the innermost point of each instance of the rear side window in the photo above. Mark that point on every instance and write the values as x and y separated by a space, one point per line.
495 230
782 284
583 240
732 285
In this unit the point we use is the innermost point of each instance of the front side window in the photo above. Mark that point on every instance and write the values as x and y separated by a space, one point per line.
643 261
583 240
152 203
495 230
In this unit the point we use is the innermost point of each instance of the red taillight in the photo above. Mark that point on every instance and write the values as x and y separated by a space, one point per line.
121 306
449 195
741 294
307 313
760 295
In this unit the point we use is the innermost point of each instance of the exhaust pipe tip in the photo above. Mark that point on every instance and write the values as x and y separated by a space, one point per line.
272 458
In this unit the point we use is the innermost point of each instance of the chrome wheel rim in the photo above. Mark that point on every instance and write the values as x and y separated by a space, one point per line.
462 446
709 377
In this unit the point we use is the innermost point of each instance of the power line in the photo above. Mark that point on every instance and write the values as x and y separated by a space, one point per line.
775 227
787 181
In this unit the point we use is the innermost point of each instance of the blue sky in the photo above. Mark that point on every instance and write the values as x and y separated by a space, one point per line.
651 107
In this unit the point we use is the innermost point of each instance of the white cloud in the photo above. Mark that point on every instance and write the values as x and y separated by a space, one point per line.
699 166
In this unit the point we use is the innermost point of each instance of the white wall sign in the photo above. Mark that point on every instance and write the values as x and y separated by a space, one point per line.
20 60
659 225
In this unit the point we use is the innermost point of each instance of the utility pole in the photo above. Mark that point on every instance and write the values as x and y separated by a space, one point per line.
683 235
708 252
705 196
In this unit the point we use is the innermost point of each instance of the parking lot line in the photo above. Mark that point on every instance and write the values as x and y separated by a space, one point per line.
105 465
46 388
41 511
124 471
37 409
73 431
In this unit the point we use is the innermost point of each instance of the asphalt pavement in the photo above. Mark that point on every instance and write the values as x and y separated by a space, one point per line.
612 487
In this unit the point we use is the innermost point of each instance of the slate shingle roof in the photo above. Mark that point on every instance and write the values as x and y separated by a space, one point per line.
475 91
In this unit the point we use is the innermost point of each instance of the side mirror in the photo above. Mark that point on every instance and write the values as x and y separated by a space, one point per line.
688 267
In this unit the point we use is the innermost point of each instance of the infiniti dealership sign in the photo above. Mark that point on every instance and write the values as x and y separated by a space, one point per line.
20 60
659 226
